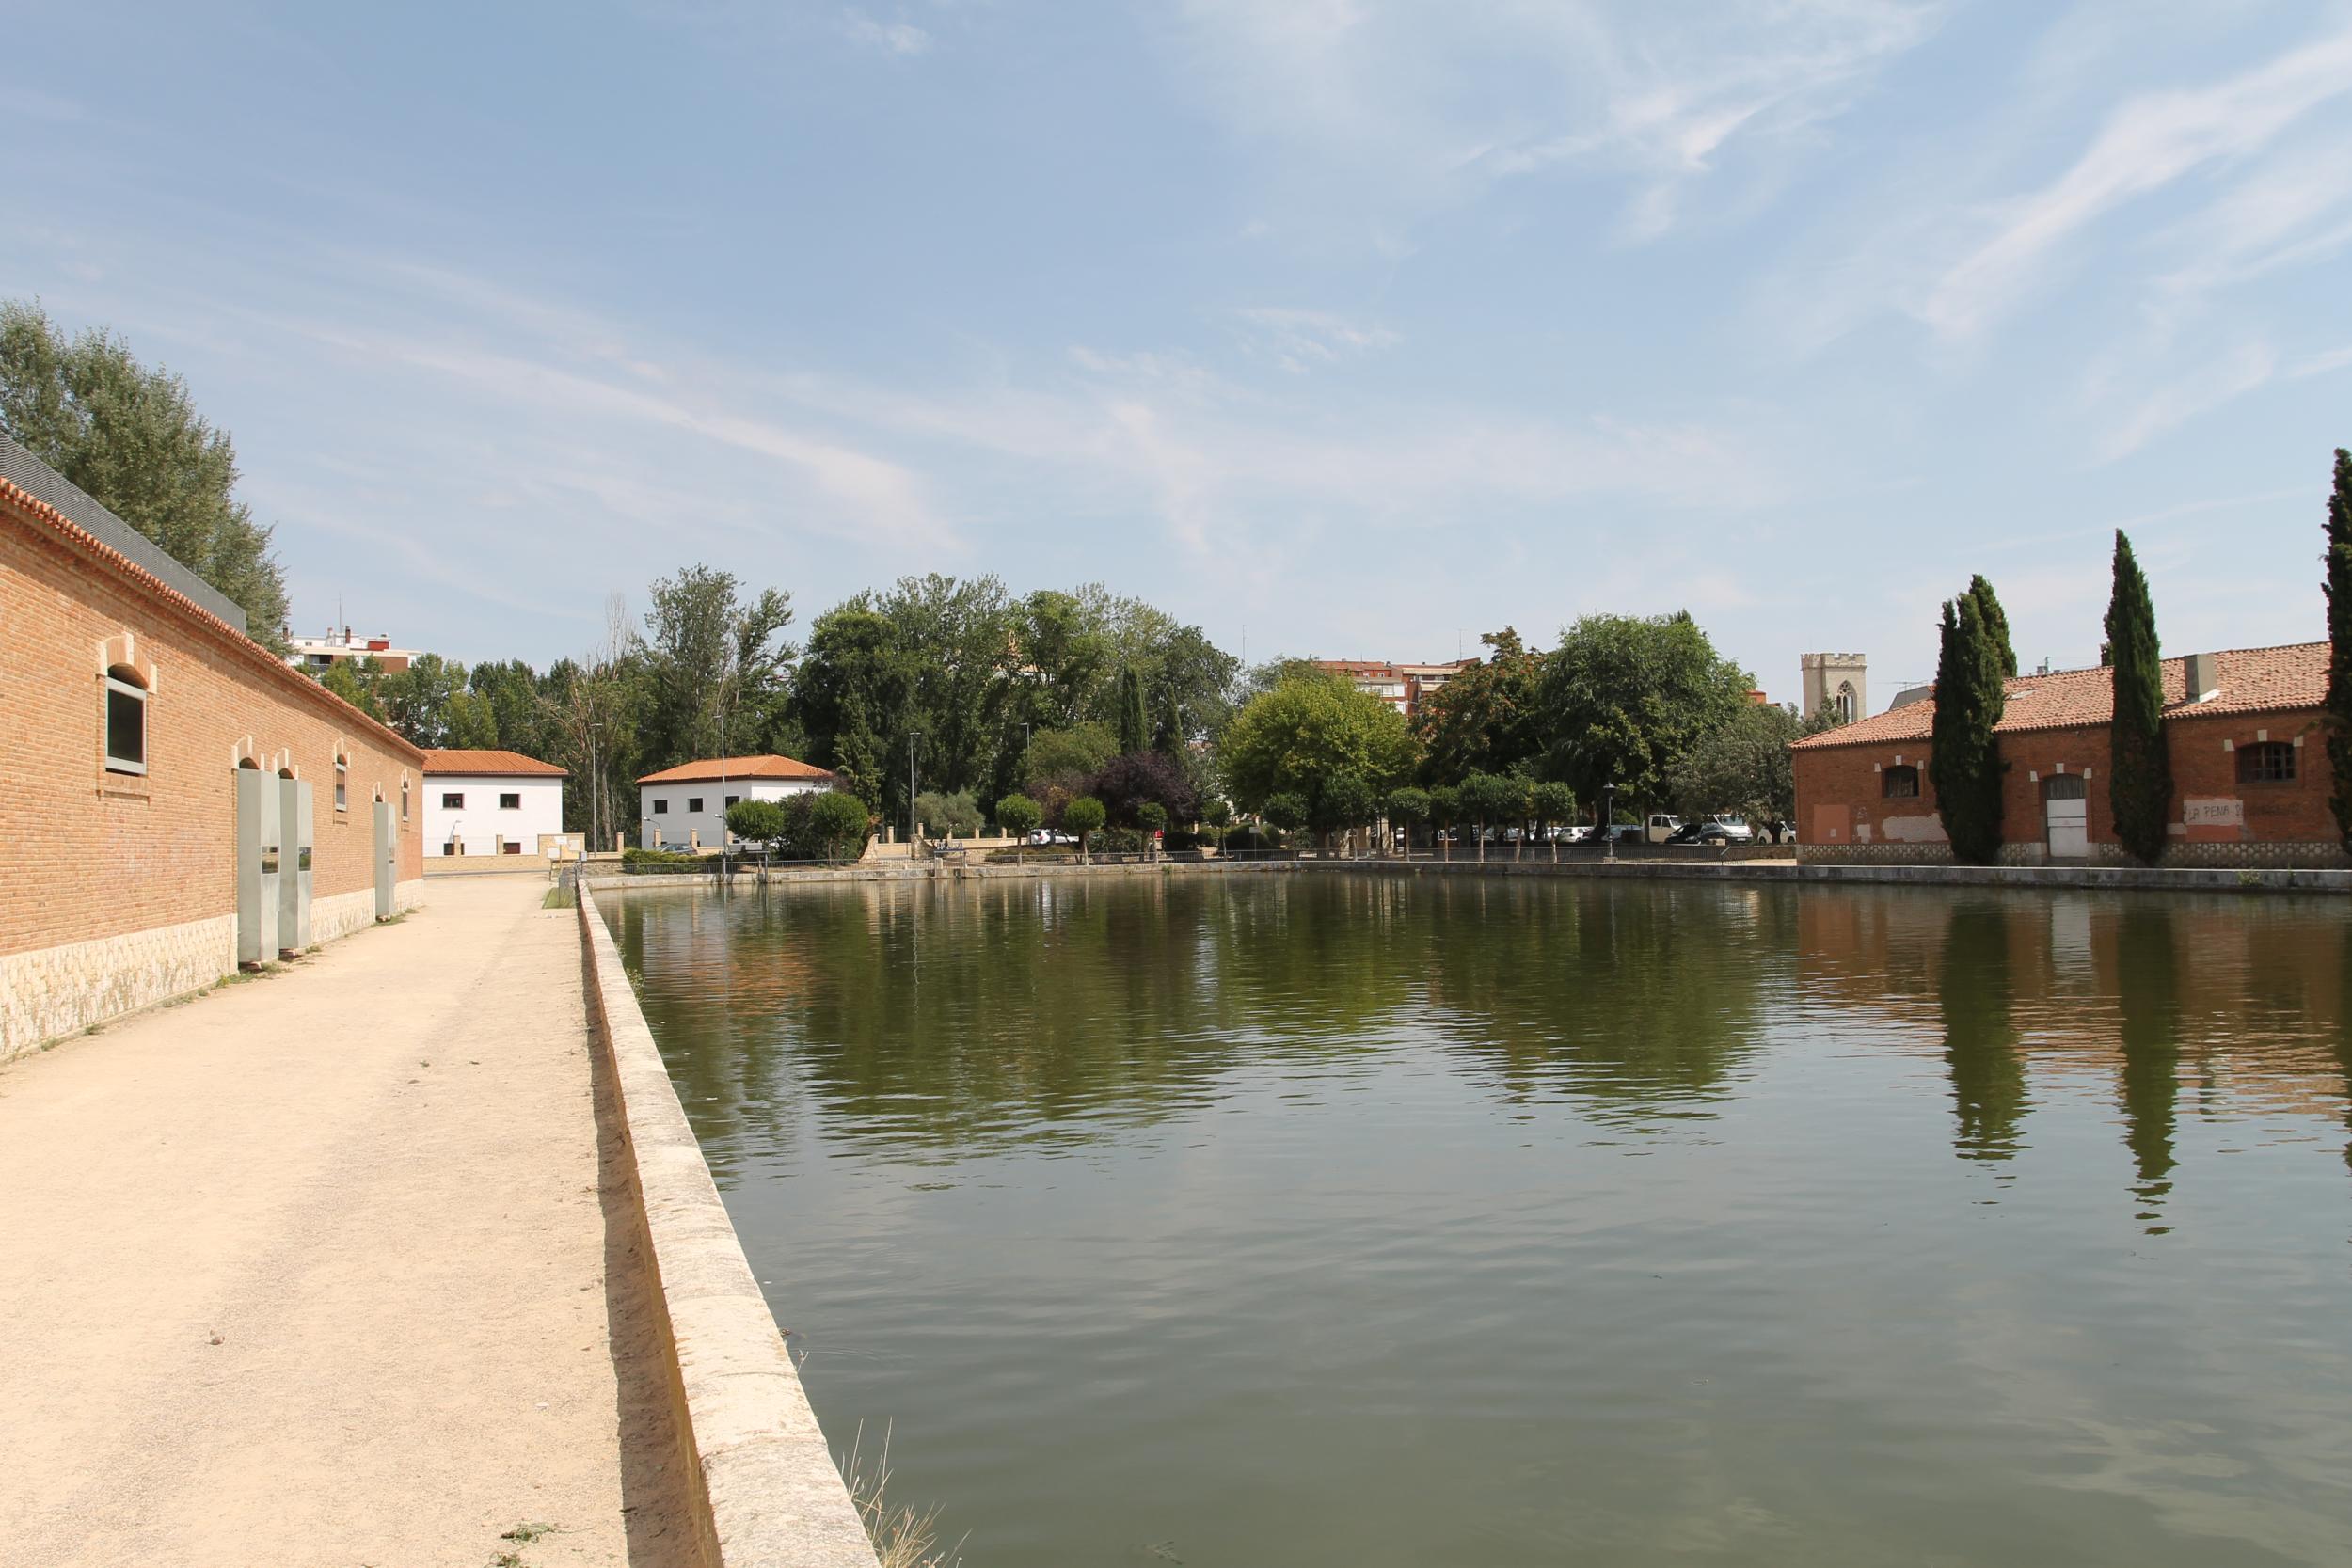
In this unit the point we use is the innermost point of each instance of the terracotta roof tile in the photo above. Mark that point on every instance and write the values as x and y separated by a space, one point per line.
22 505
489 764
2251 680
709 771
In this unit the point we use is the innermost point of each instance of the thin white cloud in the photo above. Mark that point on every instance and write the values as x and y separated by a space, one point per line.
892 37
1409 108
2149 142
1299 340
2173 402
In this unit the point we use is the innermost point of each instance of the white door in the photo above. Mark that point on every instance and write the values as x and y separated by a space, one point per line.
2066 818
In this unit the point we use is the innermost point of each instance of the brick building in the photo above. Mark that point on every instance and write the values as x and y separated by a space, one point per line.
2249 770
1399 686
148 736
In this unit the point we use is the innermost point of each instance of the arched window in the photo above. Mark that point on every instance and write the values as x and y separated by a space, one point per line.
126 720
1900 782
2265 762
1845 705
404 799
342 780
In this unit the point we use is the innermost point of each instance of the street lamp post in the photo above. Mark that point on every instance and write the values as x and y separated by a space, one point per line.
1609 817
913 736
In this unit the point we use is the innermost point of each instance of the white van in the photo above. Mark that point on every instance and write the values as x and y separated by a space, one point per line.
1662 827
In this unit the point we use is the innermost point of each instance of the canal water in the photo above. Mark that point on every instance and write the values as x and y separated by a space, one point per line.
1335 1219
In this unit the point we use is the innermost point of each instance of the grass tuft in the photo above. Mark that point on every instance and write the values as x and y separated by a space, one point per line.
902 1538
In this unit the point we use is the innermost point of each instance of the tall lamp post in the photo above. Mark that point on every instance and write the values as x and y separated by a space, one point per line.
913 736
1609 818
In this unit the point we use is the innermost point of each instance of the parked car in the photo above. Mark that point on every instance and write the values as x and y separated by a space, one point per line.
1662 826
1047 836
1725 830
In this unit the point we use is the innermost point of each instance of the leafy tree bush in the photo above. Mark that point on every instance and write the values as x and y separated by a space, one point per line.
2139 769
1487 719
1343 803
1744 766
837 821
1310 727
1445 810
1553 803
1082 816
1624 698
1134 733
1217 813
1408 808
1019 815
1995 623
1965 762
757 821
1493 799
1152 818
1286 811
954 815
131 438
1127 783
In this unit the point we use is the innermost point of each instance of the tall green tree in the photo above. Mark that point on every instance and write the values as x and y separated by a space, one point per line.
1996 621
1311 727
1487 719
1744 767
1625 697
1134 733
2339 701
1169 738
714 661
1965 762
132 438
2139 769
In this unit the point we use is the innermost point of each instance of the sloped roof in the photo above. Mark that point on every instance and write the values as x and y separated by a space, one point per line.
709 771
487 764
2251 680
20 506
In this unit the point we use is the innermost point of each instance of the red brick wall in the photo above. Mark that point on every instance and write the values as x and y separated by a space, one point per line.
1838 788
88 853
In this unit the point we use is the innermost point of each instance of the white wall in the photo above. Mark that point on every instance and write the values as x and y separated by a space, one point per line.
480 820
668 828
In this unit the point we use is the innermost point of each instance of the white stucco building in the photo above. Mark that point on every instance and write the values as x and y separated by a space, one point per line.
491 803
688 804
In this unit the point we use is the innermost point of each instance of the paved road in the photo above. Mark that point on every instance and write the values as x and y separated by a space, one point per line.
316 1269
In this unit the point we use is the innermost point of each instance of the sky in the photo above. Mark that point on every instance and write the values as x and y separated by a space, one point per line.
1341 327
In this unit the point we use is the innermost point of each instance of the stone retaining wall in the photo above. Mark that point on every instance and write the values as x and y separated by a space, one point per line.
763 1485
2183 880
2208 854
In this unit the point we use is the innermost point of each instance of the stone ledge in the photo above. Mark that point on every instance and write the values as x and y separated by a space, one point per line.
2146 879
765 1491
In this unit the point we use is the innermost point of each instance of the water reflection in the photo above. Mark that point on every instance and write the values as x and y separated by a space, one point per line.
1979 1033
1634 1223
964 1018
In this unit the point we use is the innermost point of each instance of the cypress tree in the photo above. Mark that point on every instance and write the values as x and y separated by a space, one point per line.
1995 622
1134 736
1170 740
2139 769
1966 761
2339 703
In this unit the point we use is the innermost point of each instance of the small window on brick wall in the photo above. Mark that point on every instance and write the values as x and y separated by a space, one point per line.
126 720
1900 784
2265 762
343 782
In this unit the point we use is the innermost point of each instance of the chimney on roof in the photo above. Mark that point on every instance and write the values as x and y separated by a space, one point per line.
2204 677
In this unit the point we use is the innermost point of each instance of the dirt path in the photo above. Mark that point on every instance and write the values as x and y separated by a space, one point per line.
320 1270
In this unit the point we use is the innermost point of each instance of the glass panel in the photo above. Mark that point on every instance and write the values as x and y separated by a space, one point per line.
126 727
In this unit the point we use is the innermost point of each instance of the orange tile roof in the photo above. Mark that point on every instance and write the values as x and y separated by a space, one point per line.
23 506
2251 680
709 771
487 764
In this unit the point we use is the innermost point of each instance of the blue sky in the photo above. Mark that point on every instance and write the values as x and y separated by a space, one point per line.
1340 326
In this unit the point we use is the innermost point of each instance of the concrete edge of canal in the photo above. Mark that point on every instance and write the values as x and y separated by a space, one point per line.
765 1490
2102 878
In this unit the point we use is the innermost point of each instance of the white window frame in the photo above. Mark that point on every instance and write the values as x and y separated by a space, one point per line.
106 743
